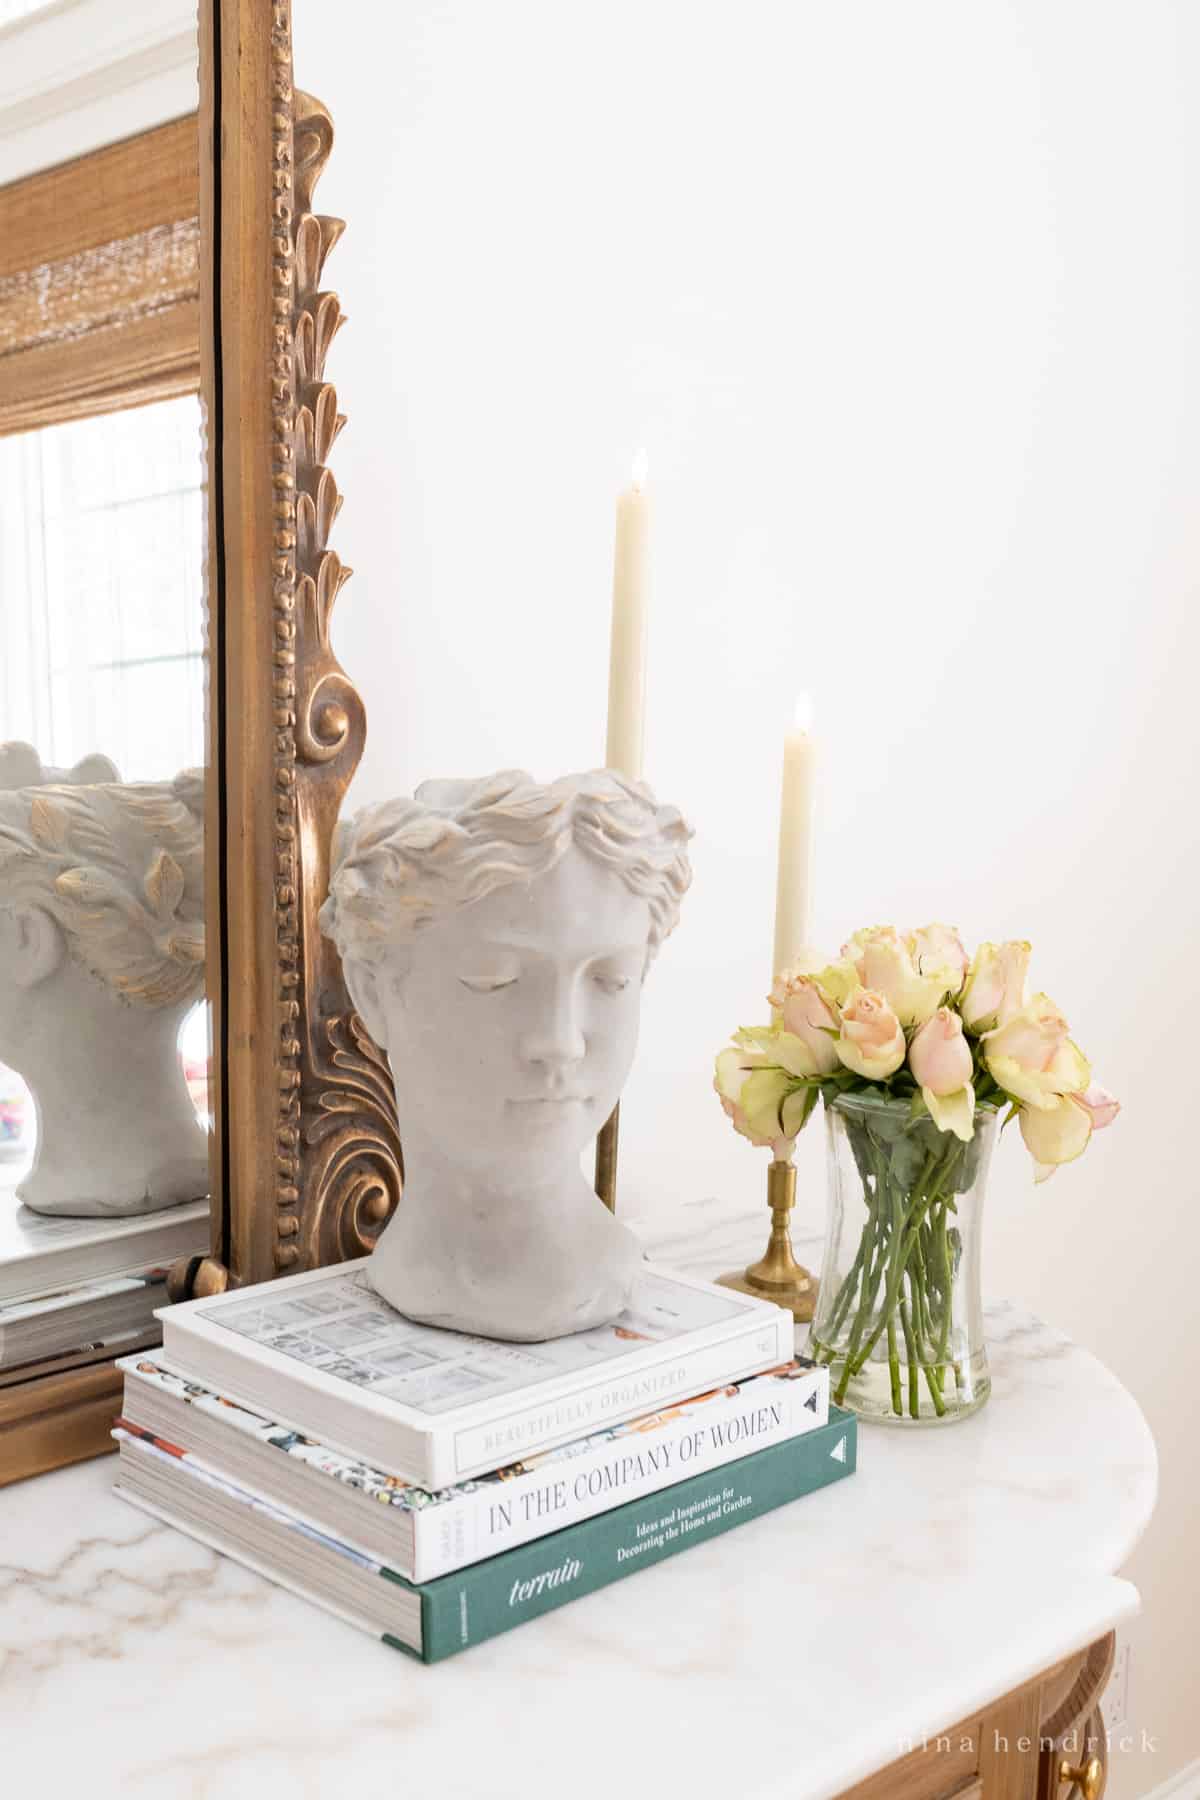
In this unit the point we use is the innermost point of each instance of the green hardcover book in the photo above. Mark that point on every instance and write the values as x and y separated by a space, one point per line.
436 1619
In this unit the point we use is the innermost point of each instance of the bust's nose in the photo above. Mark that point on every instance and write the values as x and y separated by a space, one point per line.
554 1038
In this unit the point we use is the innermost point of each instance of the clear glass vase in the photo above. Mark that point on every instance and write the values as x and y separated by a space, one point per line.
899 1315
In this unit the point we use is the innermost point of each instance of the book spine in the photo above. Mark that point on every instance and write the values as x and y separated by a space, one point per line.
623 1466
483 1601
764 1342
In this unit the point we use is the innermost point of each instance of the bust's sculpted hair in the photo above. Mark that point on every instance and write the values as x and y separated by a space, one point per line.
400 865
120 867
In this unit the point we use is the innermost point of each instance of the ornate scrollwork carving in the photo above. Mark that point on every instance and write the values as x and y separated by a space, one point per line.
338 1166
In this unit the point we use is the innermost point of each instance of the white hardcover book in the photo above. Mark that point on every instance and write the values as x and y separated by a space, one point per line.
422 1534
322 1354
41 1253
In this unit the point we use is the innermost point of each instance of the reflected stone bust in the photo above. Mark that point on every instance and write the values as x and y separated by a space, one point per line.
101 958
495 935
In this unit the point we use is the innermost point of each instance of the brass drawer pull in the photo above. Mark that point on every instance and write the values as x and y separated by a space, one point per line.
1088 1777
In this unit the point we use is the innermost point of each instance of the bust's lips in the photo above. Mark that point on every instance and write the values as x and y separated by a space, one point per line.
550 1100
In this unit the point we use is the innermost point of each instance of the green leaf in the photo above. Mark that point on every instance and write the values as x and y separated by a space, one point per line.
797 1110
906 1161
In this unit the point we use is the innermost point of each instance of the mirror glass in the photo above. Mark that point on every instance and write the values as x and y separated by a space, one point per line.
104 1052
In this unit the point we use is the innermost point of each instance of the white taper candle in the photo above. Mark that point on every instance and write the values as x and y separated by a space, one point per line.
795 840
631 603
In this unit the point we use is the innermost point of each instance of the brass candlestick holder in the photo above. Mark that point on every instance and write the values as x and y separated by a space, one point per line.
777 1275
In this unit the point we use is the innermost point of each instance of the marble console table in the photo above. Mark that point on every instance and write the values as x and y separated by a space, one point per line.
785 1661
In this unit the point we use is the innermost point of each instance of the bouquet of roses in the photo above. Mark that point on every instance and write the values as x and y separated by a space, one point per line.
910 1041
912 1015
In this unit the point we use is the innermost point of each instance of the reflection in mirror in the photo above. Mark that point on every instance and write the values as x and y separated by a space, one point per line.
101 959
103 1029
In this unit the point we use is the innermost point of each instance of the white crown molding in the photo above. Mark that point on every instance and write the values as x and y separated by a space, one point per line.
83 73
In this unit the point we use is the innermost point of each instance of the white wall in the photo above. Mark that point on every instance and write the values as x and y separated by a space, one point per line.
903 303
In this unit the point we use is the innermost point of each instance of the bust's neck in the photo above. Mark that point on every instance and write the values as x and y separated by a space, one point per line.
499 1257
481 1204
117 1131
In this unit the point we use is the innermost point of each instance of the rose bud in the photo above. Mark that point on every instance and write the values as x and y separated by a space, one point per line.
872 1038
940 1059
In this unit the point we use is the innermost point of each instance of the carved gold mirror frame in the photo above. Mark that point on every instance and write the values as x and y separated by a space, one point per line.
307 1158
305 1155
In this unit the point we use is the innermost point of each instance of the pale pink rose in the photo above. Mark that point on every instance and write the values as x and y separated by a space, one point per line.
940 1059
937 953
872 1037
1032 1057
805 1013
883 963
1100 1106
995 988
940 1056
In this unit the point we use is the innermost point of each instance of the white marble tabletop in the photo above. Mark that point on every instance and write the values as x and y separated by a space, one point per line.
783 1661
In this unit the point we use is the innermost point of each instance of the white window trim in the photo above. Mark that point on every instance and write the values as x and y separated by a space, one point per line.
84 73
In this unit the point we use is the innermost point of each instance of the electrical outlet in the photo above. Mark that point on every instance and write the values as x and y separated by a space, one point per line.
1114 1707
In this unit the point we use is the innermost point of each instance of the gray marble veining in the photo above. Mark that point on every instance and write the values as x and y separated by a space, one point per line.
781 1662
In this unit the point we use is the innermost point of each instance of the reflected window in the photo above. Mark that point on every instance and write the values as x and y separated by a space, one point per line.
100 577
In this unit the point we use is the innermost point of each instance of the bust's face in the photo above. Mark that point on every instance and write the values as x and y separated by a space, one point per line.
511 1024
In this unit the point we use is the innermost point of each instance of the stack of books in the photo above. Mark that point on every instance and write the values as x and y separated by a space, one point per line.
74 1288
436 1489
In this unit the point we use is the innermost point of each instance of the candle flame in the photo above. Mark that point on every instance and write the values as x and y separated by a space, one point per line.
641 468
804 712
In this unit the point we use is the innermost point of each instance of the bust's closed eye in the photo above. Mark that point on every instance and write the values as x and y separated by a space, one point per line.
487 984
611 984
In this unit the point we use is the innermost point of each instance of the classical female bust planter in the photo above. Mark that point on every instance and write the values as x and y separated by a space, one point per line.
495 935
101 957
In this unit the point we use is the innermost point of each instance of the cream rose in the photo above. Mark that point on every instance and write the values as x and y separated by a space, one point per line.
1055 1134
941 1062
762 1102
883 964
733 1071
937 954
778 1047
872 1039
1033 1059
995 988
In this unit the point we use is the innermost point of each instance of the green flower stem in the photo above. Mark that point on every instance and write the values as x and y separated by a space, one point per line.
921 1291
920 1286
894 1363
869 1288
925 1193
947 1280
910 1346
841 1305
876 1232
